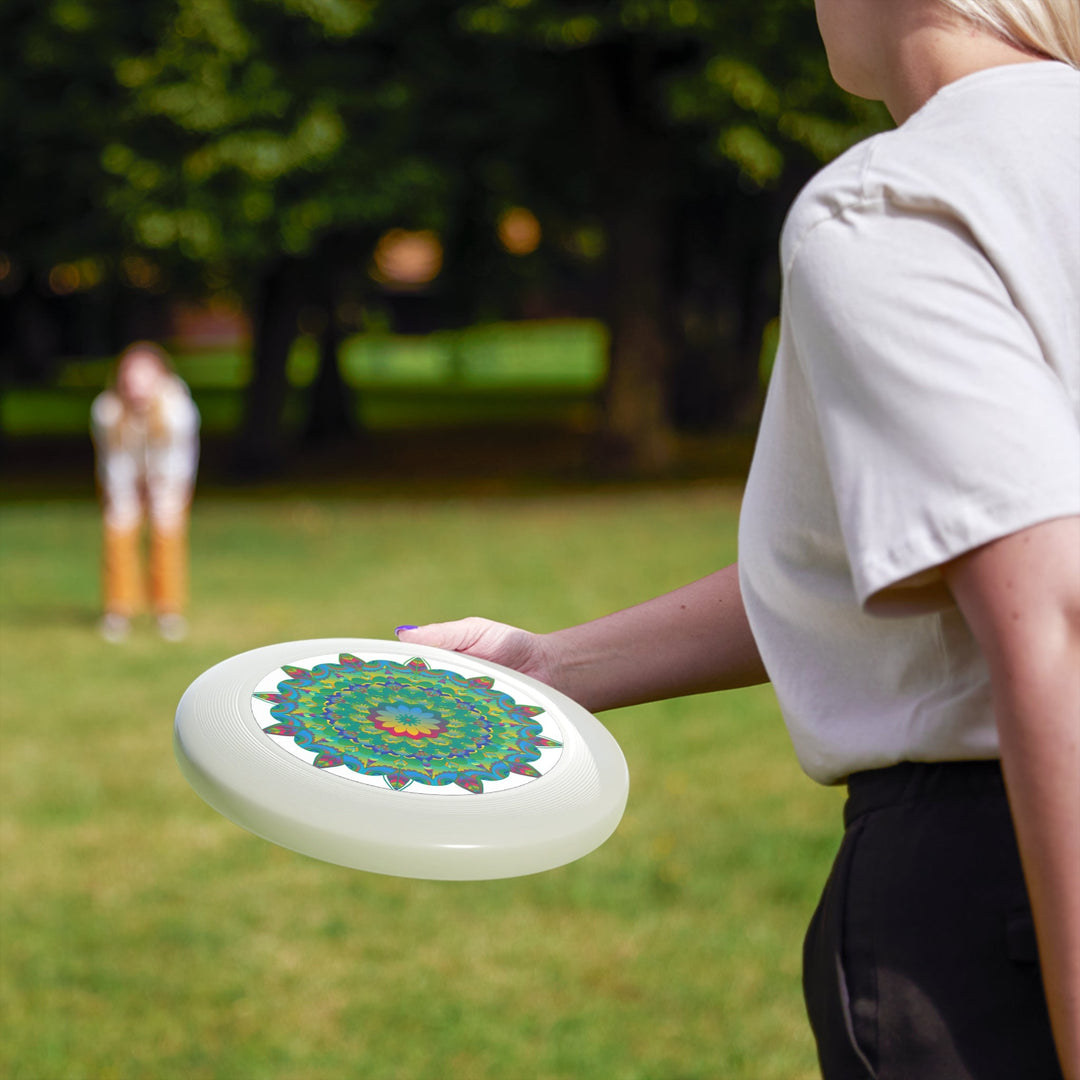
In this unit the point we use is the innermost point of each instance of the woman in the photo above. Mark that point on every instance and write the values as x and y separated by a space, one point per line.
909 574
145 430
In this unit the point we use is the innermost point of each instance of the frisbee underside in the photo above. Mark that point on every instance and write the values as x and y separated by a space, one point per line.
550 786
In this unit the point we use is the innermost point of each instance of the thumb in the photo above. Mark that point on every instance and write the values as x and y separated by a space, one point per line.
456 636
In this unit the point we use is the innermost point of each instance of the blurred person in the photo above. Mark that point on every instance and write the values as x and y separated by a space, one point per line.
909 567
146 437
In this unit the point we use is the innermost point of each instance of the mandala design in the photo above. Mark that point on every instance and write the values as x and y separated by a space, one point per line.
407 723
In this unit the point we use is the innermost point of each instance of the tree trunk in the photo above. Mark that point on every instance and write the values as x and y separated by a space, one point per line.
635 190
637 427
260 448
331 415
35 337
727 284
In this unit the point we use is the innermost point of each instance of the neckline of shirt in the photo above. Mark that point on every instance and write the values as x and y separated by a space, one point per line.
999 72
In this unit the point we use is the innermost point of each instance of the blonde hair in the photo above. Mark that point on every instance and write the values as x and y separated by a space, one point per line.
1048 27
151 347
156 425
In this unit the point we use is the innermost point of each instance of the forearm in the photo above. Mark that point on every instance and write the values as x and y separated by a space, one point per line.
1039 727
1021 598
690 641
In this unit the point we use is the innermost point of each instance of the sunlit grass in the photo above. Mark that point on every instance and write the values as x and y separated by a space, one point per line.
145 936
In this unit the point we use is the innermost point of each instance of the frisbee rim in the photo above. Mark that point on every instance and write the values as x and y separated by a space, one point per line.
235 767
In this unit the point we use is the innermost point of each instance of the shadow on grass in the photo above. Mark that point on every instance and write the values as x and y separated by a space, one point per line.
419 463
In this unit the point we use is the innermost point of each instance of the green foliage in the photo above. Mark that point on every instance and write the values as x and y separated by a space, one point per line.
58 108
261 147
227 131
144 935
749 78
286 120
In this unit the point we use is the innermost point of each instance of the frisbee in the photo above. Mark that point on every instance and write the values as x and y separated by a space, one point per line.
400 759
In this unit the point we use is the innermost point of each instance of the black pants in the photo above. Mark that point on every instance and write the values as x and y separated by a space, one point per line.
920 961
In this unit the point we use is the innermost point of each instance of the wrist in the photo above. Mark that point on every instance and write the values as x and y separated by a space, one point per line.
571 666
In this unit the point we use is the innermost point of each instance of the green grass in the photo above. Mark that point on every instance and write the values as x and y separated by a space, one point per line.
29 411
145 936
508 373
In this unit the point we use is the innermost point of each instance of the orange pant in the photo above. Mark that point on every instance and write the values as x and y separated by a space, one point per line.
125 587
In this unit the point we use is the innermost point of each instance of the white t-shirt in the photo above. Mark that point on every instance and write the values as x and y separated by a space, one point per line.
925 400
145 462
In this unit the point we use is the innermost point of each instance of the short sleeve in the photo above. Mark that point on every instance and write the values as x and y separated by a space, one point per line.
178 412
105 414
944 426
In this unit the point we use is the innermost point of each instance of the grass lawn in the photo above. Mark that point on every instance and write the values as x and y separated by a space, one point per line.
144 936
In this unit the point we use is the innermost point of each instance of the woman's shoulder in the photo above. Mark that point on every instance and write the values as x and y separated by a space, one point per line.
831 192
997 139
176 389
177 408
106 410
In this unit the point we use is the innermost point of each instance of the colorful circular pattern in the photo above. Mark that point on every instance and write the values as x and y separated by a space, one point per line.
401 724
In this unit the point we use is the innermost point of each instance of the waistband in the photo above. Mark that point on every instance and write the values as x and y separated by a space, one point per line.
912 781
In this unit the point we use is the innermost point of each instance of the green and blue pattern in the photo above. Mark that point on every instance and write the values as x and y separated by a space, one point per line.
407 723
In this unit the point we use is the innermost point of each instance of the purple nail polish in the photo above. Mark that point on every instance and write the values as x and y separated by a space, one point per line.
398 629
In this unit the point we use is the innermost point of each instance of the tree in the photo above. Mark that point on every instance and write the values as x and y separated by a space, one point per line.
278 139
684 123
59 108
262 146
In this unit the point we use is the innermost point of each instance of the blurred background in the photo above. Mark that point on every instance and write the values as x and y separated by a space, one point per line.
348 216
477 302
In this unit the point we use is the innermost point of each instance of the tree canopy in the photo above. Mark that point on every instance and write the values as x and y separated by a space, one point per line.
264 146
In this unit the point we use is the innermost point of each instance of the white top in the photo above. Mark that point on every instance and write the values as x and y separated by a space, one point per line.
146 461
925 400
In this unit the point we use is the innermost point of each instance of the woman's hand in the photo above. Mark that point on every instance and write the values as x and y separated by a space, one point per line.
502 644
690 641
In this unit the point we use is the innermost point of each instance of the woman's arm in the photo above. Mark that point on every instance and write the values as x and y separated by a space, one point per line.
689 641
1021 598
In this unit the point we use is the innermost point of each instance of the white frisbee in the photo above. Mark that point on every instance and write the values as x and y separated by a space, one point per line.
400 759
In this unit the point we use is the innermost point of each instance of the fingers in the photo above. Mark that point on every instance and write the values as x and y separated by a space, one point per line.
482 638
487 640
